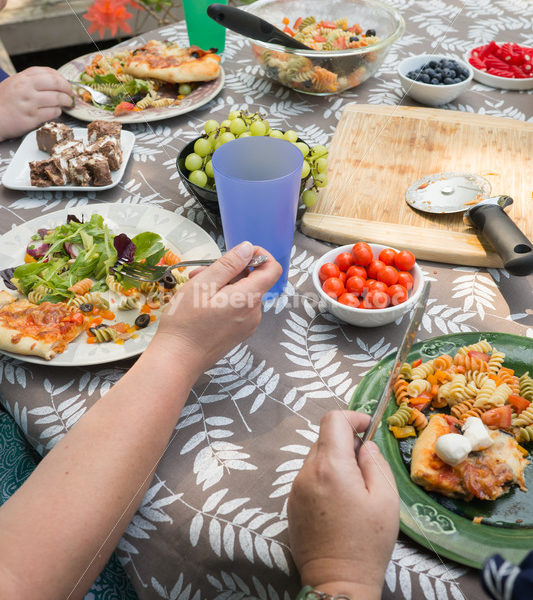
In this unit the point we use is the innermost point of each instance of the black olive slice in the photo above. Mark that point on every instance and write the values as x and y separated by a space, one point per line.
169 281
142 321
86 307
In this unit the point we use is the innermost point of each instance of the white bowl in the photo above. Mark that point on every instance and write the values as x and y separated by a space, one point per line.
427 93
363 317
502 83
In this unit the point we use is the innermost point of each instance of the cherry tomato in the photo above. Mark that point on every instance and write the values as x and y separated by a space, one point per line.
377 286
387 256
416 362
397 294
328 270
333 287
343 277
356 270
388 275
406 279
404 260
344 261
374 267
349 300
362 254
378 299
498 418
356 285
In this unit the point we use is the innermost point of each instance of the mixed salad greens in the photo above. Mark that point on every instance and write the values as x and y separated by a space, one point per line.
58 258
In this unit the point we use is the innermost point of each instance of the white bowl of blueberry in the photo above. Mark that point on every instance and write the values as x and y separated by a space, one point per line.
434 79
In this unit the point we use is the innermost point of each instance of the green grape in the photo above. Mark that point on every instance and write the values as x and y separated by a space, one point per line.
198 178
267 125
321 165
318 151
202 147
209 169
304 148
237 126
226 137
290 136
306 169
184 89
211 126
320 179
226 123
276 133
245 134
309 198
258 128
193 162
234 114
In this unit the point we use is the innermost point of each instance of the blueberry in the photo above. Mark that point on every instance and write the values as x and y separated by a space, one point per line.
354 38
448 73
432 64
458 80
430 72
424 78
370 32
434 81
448 81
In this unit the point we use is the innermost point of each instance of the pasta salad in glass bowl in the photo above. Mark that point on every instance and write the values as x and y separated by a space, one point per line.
348 42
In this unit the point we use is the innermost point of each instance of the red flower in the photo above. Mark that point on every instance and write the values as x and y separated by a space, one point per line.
108 13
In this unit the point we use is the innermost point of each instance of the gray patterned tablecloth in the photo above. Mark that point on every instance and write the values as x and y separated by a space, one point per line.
213 523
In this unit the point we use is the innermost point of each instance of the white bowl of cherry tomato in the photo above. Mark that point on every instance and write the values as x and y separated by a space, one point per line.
368 285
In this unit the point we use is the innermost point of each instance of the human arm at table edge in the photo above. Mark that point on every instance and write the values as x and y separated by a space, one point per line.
63 523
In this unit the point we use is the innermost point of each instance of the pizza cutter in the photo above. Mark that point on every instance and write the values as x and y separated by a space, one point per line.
444 193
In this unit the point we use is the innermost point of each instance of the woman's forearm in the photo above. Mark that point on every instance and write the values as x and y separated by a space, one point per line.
74 508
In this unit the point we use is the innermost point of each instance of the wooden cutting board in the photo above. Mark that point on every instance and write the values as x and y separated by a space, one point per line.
378 151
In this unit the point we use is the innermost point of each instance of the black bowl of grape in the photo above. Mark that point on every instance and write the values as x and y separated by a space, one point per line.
196 171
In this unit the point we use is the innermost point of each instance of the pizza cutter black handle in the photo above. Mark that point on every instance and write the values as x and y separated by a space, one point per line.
509 242
251 26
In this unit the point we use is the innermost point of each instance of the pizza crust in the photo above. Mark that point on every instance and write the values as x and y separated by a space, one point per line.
25 345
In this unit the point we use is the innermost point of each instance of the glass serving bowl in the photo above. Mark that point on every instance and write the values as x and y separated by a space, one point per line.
322 73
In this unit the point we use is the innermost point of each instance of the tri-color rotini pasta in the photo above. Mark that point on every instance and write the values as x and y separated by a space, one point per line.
472 383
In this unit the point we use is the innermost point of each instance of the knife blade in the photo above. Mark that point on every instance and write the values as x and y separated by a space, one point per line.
401 356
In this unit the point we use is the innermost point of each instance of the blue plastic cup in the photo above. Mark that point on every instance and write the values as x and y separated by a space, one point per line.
258 186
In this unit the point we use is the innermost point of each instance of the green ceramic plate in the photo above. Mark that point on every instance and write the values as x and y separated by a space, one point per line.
441 524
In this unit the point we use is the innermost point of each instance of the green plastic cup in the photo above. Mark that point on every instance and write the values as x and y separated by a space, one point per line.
202 30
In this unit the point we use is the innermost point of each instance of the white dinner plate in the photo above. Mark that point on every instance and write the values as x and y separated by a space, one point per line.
17 175
179 234
85 111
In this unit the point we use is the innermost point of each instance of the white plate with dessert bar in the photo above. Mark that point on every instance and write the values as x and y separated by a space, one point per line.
57 157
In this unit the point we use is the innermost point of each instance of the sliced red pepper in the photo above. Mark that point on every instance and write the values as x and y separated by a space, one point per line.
479 355
319 38
328 24
297 22
123 108
420 403
518 403
416 363
289 31
356 29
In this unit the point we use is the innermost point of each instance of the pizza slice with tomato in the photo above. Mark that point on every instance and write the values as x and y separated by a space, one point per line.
168 62
486 474
40 330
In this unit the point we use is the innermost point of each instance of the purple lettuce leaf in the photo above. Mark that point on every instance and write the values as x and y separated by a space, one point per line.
6 275
125 248
74 218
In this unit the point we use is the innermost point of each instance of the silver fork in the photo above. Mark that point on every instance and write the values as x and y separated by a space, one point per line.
142 272
98 97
